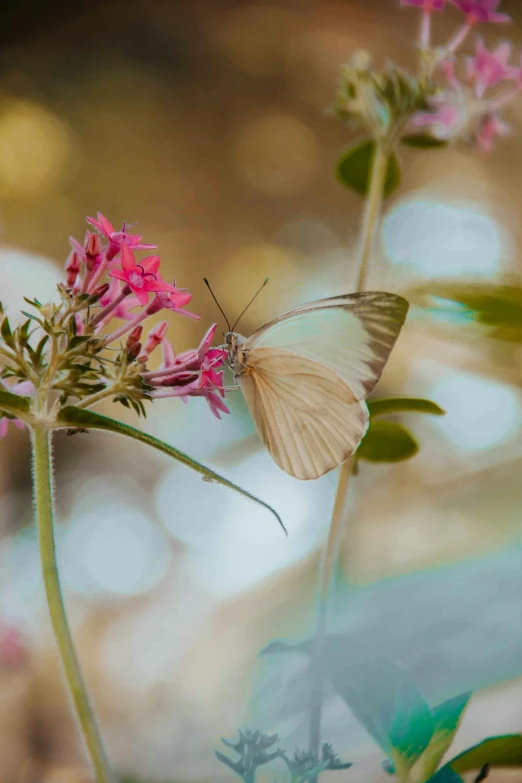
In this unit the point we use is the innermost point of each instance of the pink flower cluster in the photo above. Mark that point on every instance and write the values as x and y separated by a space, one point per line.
192 373
473 93
136 285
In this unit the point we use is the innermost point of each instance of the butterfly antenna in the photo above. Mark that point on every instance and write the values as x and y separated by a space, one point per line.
216 301
240 316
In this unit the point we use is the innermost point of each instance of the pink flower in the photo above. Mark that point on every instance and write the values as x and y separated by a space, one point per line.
122 309
171 300
90 251
443 121
117 238
487 69
480 11
428 6
23 389
192 374
489 128
142 278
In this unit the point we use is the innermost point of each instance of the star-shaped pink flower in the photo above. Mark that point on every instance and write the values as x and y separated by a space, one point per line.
487 69
480 11
142 278
174 300
116 239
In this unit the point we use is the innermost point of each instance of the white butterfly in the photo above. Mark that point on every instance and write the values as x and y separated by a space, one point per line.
305 376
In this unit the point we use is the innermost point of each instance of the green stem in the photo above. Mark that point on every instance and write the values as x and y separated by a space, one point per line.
369 229
372 212
43 495
101 395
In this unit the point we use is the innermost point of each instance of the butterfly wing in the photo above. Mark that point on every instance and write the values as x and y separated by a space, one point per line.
308 418
352 335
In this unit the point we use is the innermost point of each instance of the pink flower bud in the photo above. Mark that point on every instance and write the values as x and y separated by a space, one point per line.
155 337
133 345
72 267
78 321
100 291
92 250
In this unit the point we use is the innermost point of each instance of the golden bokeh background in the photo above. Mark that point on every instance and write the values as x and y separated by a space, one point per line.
208 122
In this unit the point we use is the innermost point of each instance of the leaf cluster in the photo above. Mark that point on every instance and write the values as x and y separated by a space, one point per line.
391 441
253 751
414 736
379 101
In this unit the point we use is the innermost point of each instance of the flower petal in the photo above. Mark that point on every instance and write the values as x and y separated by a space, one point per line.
128 262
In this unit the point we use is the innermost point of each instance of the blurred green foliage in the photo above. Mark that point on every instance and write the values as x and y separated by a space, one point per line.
354 169
497 307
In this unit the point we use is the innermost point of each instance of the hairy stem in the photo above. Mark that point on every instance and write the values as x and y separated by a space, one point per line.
43 496
370 225
101 395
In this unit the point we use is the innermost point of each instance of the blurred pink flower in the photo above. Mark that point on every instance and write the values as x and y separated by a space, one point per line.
487 69
13 648
480 11
488 129
447 116
142 278
426 5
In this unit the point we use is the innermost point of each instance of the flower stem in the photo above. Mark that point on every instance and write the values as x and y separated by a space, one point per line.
43 495
372 211
326 578
370 224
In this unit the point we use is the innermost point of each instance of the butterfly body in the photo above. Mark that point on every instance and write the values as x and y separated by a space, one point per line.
305 376
237 353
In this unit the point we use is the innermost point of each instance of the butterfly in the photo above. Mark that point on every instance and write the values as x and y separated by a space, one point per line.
305 376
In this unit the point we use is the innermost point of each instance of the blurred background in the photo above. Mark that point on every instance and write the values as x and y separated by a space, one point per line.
207 122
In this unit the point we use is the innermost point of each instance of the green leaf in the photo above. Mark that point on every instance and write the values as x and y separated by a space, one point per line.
73 417
498 307
445 775
354 169
5 331
387 441
14 405
380 695
447 717
503 751
388 405
423 141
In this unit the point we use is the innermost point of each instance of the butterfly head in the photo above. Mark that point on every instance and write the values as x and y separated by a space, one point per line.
236 352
